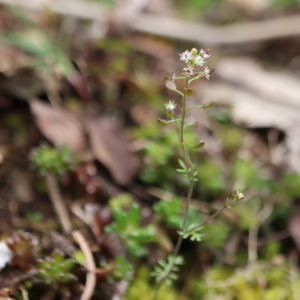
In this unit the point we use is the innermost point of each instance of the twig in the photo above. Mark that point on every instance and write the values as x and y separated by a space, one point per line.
24 293
89 264
58 203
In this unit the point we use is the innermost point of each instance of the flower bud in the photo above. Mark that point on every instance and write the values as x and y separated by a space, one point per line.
237 195
194 51
170 107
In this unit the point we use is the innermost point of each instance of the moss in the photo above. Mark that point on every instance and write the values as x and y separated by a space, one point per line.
227 283
142 289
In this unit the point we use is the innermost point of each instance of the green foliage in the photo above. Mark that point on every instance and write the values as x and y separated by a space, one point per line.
191 233
246 175
122 201
215 234
270 250
289 186
159 151
34 217
141 287
187 172
247 213
170 212
48 159
234 284
232 137
193 9
211 178
122 269
56 269
37 43
284 4
128 226
79 257
166 270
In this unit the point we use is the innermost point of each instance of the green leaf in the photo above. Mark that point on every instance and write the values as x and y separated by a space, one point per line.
188 92
181 163
199 145
162 122
134 215
208 104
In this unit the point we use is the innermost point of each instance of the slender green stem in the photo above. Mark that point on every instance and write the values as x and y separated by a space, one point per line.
208 219
177 92
175 78
189 165
174 120
196 106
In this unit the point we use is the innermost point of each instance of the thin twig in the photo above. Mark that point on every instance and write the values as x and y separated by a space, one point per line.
58 203
24 293
208 219
89 264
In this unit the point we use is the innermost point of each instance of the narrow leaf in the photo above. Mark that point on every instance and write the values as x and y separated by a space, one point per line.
208 104
181 163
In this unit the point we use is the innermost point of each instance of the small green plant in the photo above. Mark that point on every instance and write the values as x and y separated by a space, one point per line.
128 225
169 267
48 159
164 272
57 272
51 162
122 270
170 213
56 269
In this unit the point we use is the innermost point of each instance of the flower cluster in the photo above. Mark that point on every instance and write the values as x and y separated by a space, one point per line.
194 58
237 195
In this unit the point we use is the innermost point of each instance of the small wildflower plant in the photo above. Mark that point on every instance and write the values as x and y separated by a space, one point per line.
195 69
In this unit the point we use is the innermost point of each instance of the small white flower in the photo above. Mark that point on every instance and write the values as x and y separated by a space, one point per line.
199 60
188 71
207 72
186 56
170 106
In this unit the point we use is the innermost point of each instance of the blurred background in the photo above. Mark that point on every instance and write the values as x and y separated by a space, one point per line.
90 74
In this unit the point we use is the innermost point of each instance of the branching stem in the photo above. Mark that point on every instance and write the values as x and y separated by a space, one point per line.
190 167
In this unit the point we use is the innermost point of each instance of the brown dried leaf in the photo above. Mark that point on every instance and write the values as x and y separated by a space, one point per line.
58 125
111 147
